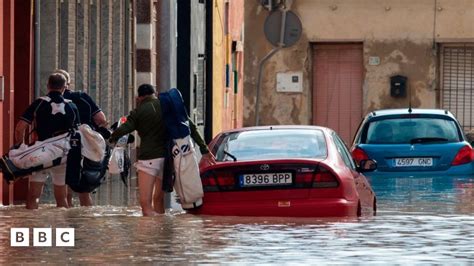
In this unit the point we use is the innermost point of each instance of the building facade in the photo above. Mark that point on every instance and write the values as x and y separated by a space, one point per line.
93 41
227 64
109 47
349 51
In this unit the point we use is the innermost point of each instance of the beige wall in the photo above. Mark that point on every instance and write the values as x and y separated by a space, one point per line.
399 32
226 102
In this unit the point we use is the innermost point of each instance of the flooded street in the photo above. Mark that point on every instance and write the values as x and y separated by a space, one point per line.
432 223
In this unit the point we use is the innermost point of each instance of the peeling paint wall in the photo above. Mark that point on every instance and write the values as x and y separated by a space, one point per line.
403 34
417 61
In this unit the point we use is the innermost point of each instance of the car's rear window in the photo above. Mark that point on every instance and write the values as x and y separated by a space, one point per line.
272 144
410 130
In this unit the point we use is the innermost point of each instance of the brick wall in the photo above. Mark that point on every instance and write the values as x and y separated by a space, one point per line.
87 38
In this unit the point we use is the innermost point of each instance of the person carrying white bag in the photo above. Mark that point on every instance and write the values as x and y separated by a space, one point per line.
51 115
148 120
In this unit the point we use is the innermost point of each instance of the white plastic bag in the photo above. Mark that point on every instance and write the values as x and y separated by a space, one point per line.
116 162
93 144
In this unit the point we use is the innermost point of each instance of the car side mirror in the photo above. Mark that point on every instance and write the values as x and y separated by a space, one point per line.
367 165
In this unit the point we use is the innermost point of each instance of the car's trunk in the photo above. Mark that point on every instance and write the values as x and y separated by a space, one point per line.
279 179
416 157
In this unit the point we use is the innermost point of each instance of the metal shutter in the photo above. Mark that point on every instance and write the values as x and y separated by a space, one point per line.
457 94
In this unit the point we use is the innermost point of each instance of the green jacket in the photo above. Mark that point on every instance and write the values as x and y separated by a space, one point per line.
147 120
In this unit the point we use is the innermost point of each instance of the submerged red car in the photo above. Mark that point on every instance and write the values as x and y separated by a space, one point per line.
293 171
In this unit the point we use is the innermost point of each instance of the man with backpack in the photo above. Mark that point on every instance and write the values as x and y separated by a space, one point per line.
147 119
51 115
91 115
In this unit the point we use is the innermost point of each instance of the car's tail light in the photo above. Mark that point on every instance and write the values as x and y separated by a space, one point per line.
324 178
321 178
212 181
304 179
465 155
359 154
225 180
209 182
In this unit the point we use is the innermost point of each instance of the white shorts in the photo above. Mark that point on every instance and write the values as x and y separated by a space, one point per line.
57 174
153 167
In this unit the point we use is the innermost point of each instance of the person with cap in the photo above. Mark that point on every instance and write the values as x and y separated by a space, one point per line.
91 115
51 115
147 120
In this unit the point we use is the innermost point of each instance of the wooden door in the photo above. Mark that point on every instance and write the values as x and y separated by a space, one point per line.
337 87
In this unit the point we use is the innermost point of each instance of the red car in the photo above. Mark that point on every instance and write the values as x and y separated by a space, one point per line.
293 171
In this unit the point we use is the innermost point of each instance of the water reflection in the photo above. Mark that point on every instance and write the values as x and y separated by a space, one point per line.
426 194
424 220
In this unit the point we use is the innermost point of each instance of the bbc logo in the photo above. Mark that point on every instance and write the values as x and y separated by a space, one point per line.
42 237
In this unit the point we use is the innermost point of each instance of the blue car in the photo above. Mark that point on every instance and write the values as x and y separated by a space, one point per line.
414 142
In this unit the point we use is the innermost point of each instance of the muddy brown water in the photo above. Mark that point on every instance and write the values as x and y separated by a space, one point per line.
419 221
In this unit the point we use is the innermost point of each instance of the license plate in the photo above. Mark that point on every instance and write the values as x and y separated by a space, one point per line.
406 162
266 179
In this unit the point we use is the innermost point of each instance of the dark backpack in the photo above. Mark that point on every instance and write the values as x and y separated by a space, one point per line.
174 114
82 174
177 126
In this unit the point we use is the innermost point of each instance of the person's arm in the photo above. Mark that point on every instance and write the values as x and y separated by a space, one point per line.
98 117
20 129
206 155
125 128
26 119
196 136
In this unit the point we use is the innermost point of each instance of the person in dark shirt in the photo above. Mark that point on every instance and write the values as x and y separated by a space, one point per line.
89 112
147 120
51 115
91 115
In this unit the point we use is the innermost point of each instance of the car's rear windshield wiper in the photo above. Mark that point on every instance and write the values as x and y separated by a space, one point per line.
426 140
230 155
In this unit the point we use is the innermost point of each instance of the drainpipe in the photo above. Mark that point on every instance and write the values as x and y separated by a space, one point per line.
167 52
281 44
37 49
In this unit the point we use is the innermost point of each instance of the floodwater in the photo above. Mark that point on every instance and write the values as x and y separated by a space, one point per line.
419 220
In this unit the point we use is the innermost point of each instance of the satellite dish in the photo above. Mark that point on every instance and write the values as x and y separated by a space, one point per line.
272 28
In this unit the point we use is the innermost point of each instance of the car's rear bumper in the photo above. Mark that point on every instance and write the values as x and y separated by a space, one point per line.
464 170
281 208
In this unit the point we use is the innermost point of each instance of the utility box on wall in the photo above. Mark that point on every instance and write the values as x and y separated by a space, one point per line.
398 86
289 82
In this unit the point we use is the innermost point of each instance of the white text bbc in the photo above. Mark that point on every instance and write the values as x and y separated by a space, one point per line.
42 237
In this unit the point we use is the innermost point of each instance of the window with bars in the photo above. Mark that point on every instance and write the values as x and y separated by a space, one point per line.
457 93
200 92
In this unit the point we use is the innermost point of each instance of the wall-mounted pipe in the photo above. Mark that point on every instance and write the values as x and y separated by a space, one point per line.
281 44
37 48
